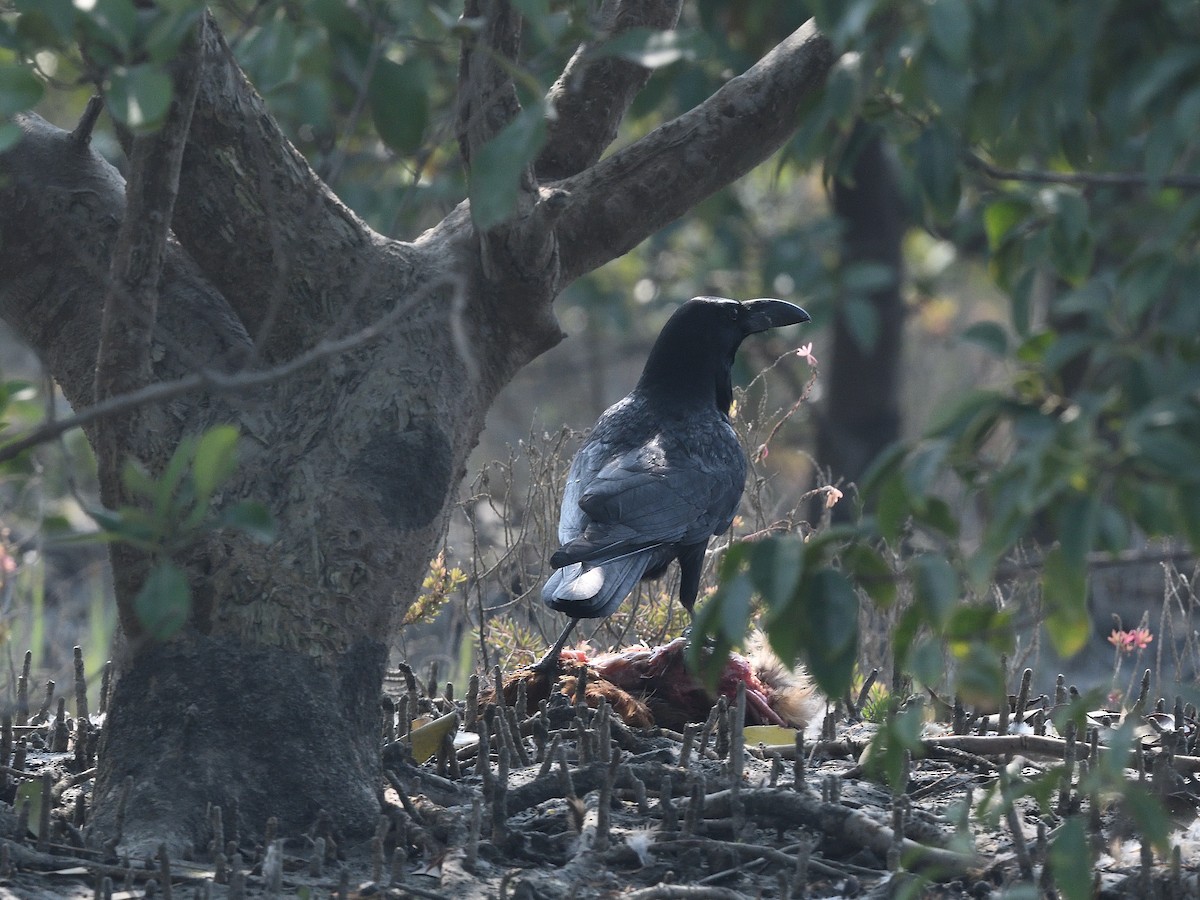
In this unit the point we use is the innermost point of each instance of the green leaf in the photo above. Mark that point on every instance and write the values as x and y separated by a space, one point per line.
871 573
1071 243
57 15
19 89
496 170
1064 591
139 96
989 335
776 565
935 587
216 460
163 604
251 518
1071 860
830 638
937 172
950 28
116 21
399 97
979 674
733 601
1000 217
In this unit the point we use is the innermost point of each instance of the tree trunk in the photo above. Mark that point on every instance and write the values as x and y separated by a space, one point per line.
861 415
358 371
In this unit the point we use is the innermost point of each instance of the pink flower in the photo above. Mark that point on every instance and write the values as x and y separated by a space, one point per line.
1128 641
805 352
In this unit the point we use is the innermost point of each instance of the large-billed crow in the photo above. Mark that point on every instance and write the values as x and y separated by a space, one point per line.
662 471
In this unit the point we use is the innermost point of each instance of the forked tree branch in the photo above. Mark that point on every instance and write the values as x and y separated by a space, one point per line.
623 199
251 210
593 93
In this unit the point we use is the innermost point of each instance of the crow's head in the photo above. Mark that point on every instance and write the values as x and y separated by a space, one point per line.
692 359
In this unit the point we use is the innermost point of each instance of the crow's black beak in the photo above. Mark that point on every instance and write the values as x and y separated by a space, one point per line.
765 313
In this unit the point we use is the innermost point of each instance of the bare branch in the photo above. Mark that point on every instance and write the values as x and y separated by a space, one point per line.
633 193
593 94
1085 179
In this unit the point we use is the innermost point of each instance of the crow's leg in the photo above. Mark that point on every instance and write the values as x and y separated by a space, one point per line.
549 662
691 563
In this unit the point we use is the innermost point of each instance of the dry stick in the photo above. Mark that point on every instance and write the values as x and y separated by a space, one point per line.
864 692
583 746
564 773
1064 791
484 750
603 732
721 746
61 734
81 701
709 724
694 813
604 806
43 838
1139 708
516 743
522 704
737 743
1023 695
541 731
43 714
500 797
164 871
667 811
959 722
471 715
316 862
685 749
1002 718
471 858
1013 818
549 756
23 692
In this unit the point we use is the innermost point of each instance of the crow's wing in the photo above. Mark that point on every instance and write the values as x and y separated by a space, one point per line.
672 490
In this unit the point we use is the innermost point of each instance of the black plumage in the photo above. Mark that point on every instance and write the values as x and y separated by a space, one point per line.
662 470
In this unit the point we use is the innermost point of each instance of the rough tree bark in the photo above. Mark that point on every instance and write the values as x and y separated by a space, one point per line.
357 454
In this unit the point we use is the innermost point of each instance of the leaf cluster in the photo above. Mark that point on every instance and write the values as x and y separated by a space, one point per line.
169 512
